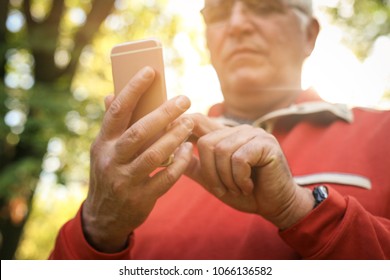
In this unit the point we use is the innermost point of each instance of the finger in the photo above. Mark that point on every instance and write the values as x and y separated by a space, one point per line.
108 100
204 125
224 151
194 171
119 113
158 152
242 171
206 147
164 179
256 153
133 141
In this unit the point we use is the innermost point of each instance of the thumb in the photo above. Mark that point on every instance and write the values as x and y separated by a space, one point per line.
193 170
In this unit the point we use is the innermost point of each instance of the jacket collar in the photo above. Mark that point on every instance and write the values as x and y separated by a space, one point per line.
308 107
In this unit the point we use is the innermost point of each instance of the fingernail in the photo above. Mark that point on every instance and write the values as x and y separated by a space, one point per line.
219 192
187 123
147 72
183 103
186 146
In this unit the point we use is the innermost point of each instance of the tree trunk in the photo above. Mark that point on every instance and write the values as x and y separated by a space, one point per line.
3 33
42 39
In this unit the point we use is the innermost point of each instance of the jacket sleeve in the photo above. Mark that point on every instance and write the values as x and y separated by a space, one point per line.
340 228
72 245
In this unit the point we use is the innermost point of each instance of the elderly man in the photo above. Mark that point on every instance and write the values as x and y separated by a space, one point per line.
274 173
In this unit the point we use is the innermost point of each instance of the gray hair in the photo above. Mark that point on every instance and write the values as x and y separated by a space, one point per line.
303 9
305 5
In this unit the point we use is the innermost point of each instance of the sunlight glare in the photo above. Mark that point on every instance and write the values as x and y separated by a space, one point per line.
333 70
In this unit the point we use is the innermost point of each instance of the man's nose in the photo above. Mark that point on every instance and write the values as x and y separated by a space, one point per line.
240 18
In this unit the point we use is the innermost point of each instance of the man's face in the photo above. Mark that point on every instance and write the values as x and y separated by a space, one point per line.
256 46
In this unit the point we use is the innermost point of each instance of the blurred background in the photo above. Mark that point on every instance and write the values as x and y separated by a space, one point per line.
55 71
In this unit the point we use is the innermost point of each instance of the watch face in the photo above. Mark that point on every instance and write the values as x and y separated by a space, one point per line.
320 193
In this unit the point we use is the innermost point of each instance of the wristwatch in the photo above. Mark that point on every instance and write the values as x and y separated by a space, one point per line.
320 193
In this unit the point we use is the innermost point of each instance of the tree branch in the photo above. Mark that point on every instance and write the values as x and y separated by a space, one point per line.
46 31
27 13
55 15
100 10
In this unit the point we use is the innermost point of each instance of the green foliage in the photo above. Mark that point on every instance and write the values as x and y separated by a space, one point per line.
52 207
13 179
363 21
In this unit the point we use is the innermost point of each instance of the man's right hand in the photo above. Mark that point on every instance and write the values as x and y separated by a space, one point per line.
122 191
245 167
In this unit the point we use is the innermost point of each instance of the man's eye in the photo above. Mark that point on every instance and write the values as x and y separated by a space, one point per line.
216 14
266 9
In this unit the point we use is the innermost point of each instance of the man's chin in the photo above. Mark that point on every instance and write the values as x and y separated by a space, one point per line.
248 83
250 74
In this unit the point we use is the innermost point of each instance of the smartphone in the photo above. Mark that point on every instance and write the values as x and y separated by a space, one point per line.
127 59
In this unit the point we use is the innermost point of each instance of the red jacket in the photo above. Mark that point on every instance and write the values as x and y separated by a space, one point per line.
348 150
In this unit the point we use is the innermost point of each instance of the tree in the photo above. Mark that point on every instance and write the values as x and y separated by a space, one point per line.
48 98
364 21
32 101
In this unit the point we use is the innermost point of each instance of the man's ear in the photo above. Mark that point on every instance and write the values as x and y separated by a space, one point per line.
312 31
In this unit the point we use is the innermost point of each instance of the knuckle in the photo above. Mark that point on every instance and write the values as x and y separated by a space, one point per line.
203 143
137 133
272 138
170 176
118 188
180 133
115 109
97 147
122 181
167 111
106 166
153 157
196 117
259 131
221 149
269 139
246 127
238 159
